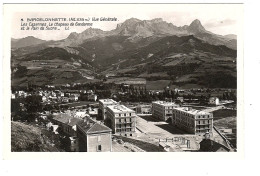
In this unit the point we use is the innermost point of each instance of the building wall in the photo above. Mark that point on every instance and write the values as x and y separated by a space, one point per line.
74 145
82 140
204 123
195 124
66 128
91 142
161 111
122 123
103 108
143 110
184 121
103 140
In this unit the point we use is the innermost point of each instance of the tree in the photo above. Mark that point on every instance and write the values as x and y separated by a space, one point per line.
33 107
33 104
21 71
15 105
224 96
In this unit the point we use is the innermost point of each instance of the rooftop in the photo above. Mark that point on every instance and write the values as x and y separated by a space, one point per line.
92 126
165 103
107 101
120 109
66 119
209 145
192 111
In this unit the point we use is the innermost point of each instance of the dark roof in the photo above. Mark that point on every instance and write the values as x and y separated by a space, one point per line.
67 119
208 145
90 126
74 121
63 118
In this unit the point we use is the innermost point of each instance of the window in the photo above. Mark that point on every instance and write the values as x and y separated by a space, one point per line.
99 148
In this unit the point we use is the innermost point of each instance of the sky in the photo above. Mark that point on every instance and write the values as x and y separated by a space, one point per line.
218 18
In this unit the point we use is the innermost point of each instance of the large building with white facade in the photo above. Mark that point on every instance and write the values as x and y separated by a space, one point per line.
192 121
103 103
163 110
122 120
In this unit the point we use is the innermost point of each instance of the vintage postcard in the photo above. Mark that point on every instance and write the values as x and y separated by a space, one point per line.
164 78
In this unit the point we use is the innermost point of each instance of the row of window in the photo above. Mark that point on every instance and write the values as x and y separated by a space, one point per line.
125 125
124 130
183 118
203 121
185 123
202 131
199 127
123 115
203 116
124 120
191 115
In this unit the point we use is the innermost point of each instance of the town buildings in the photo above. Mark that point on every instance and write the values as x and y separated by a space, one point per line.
143 109
91 96
103 103
93 136
121 119
192 121
180 99
67 123
214 100
86 135
163 109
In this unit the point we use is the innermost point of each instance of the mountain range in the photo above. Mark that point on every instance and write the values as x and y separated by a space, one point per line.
150 49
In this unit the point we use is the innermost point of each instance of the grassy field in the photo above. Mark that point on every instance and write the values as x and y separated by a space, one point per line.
126 80
223 113
228 123
157 85
226 118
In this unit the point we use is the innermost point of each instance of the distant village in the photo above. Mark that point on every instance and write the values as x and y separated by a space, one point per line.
94 124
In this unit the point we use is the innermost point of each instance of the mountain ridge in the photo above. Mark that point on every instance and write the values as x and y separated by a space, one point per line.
136 29
151 49
26 41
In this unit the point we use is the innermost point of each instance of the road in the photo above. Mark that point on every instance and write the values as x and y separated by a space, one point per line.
211 109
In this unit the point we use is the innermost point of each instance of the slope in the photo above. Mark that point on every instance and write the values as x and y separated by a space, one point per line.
27 138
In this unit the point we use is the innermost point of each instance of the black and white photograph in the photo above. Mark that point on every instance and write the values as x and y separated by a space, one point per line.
138 78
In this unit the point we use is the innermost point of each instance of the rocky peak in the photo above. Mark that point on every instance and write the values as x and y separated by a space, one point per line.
196 27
